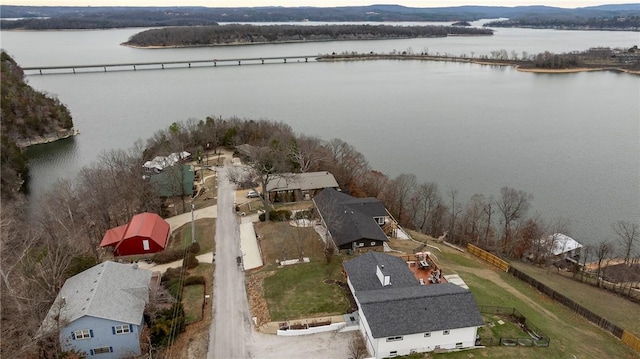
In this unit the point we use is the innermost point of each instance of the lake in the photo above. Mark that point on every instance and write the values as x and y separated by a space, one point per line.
572 140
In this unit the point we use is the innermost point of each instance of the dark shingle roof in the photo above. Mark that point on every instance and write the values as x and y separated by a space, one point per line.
362 272
349 219
406 307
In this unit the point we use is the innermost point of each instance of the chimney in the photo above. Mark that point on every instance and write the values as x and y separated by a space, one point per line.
384 278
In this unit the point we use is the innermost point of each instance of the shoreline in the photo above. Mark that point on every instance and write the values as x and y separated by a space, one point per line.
134 46
517 64
40 140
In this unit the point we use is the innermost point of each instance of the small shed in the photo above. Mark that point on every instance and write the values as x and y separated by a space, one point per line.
145 233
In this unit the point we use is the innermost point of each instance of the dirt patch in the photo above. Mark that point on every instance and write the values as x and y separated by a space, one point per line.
621 273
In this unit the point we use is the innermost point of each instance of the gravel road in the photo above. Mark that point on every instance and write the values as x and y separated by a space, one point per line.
231 328
231 335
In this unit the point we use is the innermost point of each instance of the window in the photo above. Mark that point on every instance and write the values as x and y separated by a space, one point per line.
373 243
458 345
379 220
121 329
145 244
82 334
446 332
360 244
394 339
427 335
393 353
101 350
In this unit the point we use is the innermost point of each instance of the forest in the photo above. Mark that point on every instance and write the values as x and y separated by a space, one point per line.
25 114
52 17
620 23
251 34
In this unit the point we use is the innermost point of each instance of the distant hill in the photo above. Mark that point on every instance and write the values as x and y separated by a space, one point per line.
52 17
27 116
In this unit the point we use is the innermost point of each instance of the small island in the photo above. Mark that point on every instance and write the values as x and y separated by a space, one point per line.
236 34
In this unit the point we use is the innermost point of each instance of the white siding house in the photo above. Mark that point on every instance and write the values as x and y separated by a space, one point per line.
398 316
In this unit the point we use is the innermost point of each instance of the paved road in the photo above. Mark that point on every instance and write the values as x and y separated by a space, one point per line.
231 329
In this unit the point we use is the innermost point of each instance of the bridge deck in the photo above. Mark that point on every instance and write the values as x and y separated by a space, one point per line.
133 66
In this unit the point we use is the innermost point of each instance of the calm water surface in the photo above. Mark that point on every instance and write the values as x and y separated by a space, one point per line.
572 140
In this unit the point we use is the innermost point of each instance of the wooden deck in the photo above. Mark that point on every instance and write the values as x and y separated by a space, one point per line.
424 274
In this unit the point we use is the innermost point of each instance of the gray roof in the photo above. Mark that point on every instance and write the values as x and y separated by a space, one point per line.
362 272
108 290
302 181
350 219
406 307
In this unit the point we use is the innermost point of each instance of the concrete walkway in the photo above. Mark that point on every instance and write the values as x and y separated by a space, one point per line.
182 219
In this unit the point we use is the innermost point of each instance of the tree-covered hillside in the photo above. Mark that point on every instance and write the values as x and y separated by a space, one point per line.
27 115
54 17
250 34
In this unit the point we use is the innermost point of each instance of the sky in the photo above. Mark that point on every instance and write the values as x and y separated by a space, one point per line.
315 3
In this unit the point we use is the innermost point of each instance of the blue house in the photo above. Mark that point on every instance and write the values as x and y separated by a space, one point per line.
100 311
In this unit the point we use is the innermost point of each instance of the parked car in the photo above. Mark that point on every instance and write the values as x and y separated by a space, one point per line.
253 194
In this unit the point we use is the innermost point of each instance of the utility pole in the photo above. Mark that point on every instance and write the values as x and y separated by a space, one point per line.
193 224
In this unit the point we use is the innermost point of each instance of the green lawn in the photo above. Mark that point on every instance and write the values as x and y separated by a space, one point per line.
205 229
570 334
192 299
298 291
616 309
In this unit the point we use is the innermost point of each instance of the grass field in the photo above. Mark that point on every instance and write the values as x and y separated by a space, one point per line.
570 334
616 309
298 291
192 299
203 235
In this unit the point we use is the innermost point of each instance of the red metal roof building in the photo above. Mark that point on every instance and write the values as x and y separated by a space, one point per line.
146 233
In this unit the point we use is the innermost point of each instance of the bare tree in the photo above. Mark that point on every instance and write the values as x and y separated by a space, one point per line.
473 216
307 153
453 215
627 237
347 164
513 205
267 165
357 347
424 204
488 209
603 252
398 195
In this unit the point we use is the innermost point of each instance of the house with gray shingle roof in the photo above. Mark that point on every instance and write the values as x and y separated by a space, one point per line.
399 316
352 222
100 311
294 187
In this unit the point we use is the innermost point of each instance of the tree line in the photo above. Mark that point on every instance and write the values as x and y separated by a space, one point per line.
250 34
56 17
40 251
627 22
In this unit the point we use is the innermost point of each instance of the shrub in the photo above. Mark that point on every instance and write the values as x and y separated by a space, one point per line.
194 248
306 214
277 215
163 323
190 261
194 280
167 256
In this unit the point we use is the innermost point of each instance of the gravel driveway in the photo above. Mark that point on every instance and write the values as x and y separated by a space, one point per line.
231 334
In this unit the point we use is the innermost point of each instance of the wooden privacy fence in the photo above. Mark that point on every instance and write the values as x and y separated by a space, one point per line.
631 340
488 257
626 337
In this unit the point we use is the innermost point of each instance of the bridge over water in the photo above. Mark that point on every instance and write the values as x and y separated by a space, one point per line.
161 65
